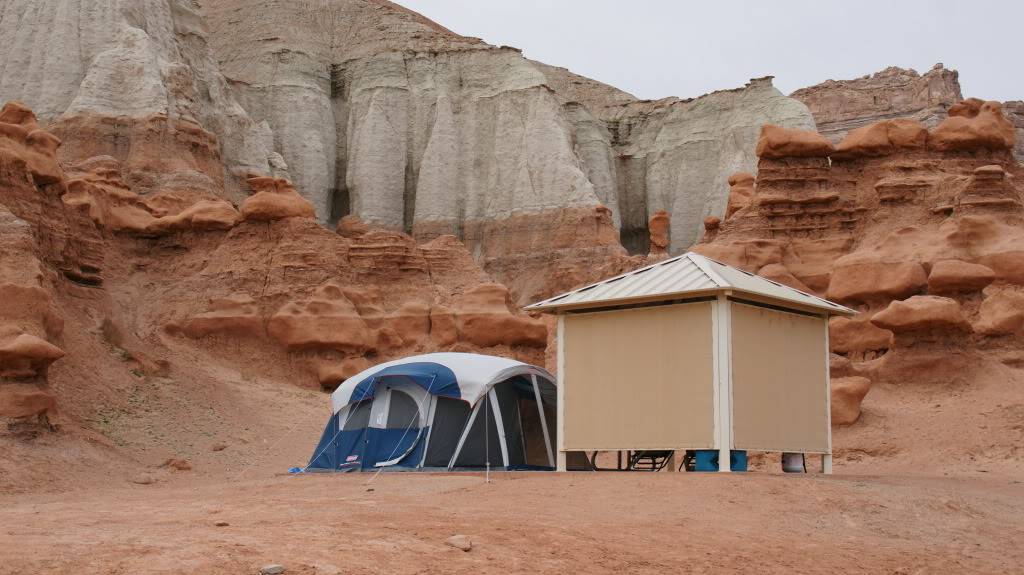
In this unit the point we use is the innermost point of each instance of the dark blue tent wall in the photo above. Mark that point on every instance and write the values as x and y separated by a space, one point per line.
325 456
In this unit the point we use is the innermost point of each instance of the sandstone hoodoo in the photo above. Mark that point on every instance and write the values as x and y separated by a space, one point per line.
180 271
919 229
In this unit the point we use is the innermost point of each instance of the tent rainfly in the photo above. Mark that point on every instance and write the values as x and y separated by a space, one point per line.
441 411
690 353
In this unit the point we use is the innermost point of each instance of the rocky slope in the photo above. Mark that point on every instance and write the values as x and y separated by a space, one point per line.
121 288
922 232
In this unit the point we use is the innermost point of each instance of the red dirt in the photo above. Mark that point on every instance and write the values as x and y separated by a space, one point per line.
598 523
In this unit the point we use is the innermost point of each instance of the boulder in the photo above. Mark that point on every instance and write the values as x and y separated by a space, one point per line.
203 215
460 542
779 142
922 313
856 280
327 319
952 276
483 318
1002 313
275 199
974 124
883 138
26 356
855 336
177 464
847 395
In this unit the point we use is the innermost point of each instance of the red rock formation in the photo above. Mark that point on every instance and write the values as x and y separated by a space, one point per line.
776 142
540 255
275 199
841 106
951 276
263 289
1001 313
923 232
157 152
741 191
882 139
31 182
847 395
482 318
235 314
659 227
974 124
922 313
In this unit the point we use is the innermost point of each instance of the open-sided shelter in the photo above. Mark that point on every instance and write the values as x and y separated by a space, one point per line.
690 353
441 411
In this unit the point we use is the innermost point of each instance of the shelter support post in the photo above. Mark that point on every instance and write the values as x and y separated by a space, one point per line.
722 333
826 459
543 420
560 389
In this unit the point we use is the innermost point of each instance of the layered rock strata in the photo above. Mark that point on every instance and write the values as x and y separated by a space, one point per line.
260 286
920 230
840 106
135 81
409 126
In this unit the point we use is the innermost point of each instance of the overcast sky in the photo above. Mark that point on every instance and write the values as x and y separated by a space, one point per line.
657 48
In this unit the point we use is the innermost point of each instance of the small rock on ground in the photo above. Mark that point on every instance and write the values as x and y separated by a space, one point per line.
143 479
272 569
218 447
459 542
178 464
221 524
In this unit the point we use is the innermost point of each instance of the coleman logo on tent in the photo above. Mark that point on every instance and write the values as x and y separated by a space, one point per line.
351 458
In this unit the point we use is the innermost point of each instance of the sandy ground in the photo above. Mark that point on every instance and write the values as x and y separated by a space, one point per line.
931 480
593 523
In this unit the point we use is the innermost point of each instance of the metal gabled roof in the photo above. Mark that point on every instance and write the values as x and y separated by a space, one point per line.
687 275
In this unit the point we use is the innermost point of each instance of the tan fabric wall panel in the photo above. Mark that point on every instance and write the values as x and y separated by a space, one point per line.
779 400
639 378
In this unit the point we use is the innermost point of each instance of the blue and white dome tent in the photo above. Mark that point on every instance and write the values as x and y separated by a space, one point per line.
441 411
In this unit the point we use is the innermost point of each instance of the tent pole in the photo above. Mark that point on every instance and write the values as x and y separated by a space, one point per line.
431 408
500 425
465 433
543 421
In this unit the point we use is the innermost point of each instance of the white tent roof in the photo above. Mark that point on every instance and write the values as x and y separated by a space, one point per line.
687 275
475 373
